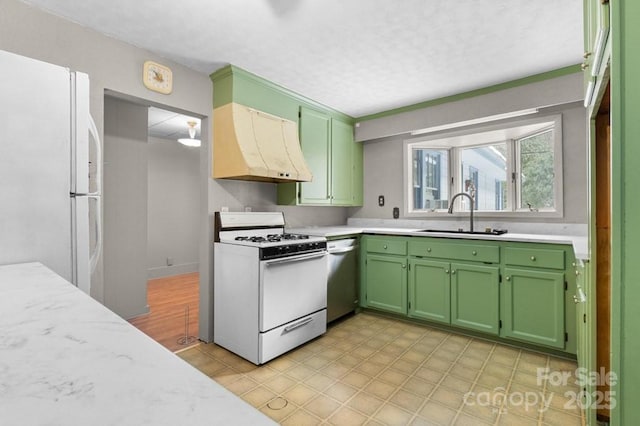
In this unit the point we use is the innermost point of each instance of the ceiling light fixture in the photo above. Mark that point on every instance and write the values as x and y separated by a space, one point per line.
480 120
190 141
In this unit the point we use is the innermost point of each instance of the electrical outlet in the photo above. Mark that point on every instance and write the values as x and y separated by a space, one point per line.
169 261
396 212
381 200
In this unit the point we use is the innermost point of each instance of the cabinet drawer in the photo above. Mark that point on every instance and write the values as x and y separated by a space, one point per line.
539 258
387 245
473 252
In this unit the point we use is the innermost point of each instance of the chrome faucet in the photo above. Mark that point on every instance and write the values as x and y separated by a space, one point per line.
470 200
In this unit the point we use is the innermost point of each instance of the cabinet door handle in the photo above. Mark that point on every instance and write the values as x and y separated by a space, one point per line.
533 258
446 271
453 271
577 272
404 266
508 278
586 55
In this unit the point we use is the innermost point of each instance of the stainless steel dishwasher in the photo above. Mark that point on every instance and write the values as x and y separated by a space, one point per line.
342 285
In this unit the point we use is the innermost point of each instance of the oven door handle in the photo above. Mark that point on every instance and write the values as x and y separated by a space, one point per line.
298 324
295 258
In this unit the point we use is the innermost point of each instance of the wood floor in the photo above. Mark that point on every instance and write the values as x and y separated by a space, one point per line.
168 298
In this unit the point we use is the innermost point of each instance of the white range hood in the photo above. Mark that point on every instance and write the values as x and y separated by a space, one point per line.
252 145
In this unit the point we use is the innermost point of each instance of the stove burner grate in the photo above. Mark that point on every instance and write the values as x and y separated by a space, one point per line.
272 238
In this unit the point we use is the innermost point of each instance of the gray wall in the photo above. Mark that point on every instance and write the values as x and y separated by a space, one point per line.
125 207
383 157
111 64
173 208
117 66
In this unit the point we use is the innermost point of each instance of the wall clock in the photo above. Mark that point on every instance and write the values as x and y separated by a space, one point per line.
157 77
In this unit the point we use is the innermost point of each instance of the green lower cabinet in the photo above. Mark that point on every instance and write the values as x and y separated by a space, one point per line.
386 287
429 290
475 297
586 338
533 303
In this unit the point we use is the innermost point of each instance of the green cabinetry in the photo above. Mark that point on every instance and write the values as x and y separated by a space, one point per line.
326 137
315 138
534 295
386 283
586 336
429 290
597 48
533 306
517 291
335 160
475 297
385 266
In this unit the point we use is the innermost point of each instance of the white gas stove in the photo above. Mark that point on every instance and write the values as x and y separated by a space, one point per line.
272 241
270 287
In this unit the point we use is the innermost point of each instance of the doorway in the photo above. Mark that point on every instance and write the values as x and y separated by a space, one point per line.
151 219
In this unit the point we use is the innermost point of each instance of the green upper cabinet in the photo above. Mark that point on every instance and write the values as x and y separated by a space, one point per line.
596 40
342 165
335 161
315 137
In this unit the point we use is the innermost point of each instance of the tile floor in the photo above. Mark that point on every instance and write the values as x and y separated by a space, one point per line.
374 370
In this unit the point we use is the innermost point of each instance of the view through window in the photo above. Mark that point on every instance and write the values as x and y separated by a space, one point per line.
510 169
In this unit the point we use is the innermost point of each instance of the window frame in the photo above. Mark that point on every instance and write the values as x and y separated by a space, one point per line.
436 141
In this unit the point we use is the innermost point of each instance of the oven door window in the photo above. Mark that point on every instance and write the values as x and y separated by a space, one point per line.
291 288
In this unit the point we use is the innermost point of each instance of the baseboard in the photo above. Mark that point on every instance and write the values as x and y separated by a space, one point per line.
167 271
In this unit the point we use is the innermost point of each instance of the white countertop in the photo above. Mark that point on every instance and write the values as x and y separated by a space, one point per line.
65 359
579 243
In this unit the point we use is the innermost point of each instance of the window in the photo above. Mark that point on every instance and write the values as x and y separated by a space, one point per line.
534 156
507 169
430 179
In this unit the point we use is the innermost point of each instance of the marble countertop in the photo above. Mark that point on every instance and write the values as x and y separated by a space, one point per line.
579 243
65 359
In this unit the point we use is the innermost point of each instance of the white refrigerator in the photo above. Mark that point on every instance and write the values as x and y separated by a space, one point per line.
49 205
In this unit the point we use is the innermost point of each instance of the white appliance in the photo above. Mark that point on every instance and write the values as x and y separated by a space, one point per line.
270 287
49 206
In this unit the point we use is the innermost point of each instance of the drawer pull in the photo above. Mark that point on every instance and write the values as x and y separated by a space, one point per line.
474 252
533 258
298 324
429 250
384 246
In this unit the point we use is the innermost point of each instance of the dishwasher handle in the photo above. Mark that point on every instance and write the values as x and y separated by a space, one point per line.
342 250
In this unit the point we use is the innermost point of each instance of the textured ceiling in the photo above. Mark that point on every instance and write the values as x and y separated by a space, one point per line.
170 125
357 56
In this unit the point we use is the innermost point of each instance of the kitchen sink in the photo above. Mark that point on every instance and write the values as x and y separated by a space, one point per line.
450 231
